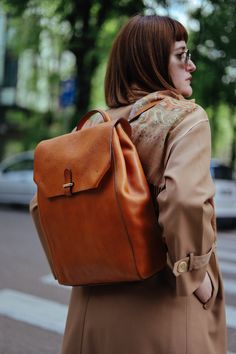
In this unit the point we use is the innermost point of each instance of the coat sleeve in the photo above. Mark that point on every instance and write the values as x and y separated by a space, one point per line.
186 210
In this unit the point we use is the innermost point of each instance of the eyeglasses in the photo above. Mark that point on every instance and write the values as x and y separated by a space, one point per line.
184 57
187 57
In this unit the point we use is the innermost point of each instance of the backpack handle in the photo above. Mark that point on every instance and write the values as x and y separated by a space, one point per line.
89 114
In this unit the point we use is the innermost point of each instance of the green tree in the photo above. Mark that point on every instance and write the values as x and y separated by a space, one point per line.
86 20
215 55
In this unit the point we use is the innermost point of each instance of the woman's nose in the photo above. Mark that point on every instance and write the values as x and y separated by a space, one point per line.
191 67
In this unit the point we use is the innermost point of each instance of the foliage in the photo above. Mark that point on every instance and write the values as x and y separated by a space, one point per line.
33 126
86 31
65 39
215 56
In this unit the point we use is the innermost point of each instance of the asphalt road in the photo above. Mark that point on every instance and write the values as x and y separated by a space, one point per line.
33 307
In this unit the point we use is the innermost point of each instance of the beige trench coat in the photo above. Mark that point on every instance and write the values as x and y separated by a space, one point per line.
162 315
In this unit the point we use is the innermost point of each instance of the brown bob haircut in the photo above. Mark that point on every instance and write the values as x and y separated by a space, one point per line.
139 57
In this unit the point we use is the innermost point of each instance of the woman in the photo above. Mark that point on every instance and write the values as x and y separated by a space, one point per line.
181 309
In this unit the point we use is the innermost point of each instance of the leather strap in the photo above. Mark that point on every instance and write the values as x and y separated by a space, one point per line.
107 118
89 114
190 262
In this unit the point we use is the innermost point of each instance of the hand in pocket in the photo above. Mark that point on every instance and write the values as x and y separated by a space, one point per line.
204 292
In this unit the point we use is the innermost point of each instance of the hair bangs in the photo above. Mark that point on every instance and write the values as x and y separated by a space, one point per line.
180 33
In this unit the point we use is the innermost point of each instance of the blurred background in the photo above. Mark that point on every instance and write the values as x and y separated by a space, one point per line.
53 55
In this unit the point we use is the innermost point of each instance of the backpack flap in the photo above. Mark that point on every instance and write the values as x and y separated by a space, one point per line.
73 162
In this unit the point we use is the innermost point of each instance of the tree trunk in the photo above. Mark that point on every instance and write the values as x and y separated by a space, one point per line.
84 47
86 68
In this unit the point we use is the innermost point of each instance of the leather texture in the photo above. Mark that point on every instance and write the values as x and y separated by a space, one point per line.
34 211
97 218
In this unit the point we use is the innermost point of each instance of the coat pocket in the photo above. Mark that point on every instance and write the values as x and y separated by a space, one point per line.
213 272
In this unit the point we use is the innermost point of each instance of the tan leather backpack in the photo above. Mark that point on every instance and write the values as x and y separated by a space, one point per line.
93 211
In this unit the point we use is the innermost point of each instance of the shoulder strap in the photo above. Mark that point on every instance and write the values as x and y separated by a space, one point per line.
106 117
143 109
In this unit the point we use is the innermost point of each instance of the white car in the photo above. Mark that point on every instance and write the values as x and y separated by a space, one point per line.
225 196
16 179
17 185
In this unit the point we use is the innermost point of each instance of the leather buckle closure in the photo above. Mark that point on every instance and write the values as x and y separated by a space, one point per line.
68 182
